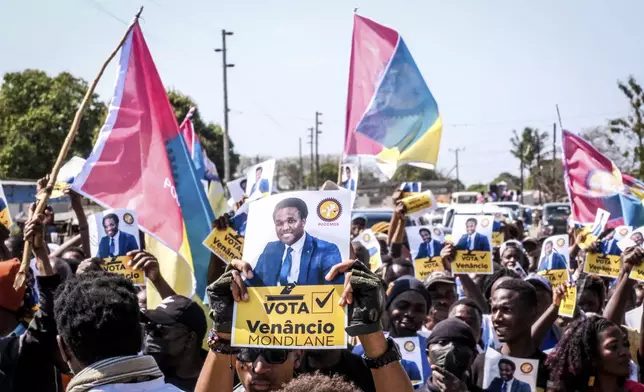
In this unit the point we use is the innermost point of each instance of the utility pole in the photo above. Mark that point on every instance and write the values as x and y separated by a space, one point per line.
317 144
301 179
458 180
552 163
538 173
225 33
521 172
311 142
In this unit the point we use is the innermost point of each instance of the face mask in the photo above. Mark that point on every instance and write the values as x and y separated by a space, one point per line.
453 358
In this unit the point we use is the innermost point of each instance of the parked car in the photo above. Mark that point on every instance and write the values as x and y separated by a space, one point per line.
375 215
554 219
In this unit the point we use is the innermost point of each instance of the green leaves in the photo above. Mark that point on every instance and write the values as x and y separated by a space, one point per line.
36 112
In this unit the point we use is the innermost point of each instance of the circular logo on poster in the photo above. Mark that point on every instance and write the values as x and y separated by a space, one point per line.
128 218
366 237
485 222
329 210
561 242
409 346
437 232
623 231
526 367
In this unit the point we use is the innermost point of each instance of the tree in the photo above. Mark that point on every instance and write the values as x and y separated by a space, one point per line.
36 112
613 146
631 126
550 183
210 134
530 144
413 173
477 188
512 180
328 171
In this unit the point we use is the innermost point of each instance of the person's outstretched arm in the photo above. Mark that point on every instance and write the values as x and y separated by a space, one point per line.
547 319
616 306
391 377
471 289
83 227
142 260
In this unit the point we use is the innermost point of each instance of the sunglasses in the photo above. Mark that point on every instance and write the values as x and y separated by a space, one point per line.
271 356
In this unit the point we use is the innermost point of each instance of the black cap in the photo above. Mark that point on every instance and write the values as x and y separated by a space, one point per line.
453 330
407 283
178 309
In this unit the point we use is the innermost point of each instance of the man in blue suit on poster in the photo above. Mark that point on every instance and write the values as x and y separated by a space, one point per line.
473 240
430 247
551 260
609 246
350 183
260 184
297 257
116 242
506 382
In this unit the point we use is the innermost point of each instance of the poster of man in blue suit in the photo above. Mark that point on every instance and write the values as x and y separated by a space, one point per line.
348 178
421 240
259 180
115 240
550 258
478 230
308 239
506 381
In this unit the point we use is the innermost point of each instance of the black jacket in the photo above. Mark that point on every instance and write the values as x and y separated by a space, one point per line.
27 361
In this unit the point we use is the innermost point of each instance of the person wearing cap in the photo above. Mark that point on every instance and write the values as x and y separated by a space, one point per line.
442 291
35 350
451 350
174 332
408 302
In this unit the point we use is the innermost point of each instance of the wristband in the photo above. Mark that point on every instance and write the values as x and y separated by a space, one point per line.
219 345
391 355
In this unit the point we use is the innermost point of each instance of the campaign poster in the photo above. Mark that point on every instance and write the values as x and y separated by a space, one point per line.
472 235
516 374
622 232
411 187
569 302
554 253
227 244
66 176
602 264
259 180
292 241
596 229
349 179
368 239
5 214
556 277
410 351
419 203
636 237
120 266
237 189
113 233
426 243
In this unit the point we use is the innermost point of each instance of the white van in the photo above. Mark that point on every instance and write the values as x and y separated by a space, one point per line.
464 197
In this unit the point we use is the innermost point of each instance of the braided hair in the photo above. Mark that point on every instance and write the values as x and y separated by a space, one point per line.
575 358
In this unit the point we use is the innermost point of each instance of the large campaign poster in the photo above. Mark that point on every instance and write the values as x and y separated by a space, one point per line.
5 214
259 180
425 243
292 242
113 234
472 235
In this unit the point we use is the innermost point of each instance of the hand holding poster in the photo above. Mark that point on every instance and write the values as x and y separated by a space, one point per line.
226 243
554 253
259 180
309 237
5 214
569 302
121 265
66 176
593 232
500 370
473 250
426 244
113 233
602 264
419 203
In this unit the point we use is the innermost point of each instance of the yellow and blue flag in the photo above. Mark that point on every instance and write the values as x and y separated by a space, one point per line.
391 114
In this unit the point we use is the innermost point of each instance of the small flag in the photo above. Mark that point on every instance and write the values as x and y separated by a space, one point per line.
391 114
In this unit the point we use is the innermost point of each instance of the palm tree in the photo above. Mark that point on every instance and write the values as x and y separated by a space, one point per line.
631 126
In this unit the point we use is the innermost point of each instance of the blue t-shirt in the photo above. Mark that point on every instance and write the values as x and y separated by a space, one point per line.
549 341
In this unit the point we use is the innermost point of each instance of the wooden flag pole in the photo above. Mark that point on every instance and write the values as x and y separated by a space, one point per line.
43 197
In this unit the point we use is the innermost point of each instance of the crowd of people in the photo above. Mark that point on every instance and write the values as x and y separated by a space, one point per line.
74 327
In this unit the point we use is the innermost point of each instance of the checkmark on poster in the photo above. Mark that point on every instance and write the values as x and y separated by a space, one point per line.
322 302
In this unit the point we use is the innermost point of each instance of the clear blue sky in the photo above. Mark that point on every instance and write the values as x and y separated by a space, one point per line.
492 66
